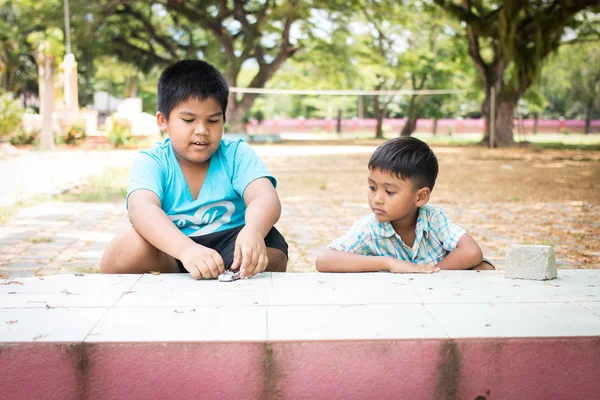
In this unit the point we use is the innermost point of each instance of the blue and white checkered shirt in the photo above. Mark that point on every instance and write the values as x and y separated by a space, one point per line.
436 236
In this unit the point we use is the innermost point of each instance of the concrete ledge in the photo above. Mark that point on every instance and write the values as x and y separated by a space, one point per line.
450 335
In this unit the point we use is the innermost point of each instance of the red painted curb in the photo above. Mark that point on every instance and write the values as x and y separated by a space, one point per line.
496 368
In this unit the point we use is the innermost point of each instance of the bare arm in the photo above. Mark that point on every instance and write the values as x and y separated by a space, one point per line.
339 261
263 207
151 222
262 212
154 225
466 255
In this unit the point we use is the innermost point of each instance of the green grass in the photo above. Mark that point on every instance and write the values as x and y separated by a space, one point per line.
567 146
110 186
555 141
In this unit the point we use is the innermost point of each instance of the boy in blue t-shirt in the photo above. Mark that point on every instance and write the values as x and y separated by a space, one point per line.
403 233
198 202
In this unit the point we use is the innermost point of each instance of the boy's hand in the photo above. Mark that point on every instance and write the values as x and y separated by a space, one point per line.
399 267
250 253
202 262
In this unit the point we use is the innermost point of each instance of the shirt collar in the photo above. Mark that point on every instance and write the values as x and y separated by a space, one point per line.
385 228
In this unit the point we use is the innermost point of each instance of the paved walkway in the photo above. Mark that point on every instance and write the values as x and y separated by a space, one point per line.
34 172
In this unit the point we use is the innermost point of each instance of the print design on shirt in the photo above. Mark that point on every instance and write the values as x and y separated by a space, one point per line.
206 219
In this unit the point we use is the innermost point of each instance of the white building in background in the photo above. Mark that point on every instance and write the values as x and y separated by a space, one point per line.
141 123
104 103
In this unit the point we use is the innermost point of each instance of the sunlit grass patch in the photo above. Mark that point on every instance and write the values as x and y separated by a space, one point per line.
110 186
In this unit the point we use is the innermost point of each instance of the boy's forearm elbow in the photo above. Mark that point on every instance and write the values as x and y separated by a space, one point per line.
321 264
475 257
325 262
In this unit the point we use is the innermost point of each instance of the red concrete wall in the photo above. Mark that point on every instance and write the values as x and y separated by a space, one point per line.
470 369
444 126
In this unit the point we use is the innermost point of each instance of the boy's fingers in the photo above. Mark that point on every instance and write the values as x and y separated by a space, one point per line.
212 267
254 263
195 272
237 257
246 258
205 270
263 261
219 263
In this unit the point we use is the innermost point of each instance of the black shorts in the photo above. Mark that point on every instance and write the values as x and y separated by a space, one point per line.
223 242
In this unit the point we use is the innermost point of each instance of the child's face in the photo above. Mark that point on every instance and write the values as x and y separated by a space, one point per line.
195 128
391 198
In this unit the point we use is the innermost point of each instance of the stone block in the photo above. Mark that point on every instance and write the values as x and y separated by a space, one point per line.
535 262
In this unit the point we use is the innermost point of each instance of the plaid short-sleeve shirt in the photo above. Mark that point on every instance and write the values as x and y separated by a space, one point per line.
436 236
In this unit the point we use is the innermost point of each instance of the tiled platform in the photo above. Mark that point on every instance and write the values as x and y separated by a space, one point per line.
447 335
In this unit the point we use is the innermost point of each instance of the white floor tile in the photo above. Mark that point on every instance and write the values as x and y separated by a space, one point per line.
151 324
196 298
185 283
352 322
593 306
516 319
59 300
80 283
48 325
474 294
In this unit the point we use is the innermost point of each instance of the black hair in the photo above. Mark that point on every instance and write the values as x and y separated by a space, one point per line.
407 158
190 79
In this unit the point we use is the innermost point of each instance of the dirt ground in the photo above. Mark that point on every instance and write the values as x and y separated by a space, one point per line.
501 196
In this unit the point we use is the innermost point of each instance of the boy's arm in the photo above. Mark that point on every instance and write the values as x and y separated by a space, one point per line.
151 222
263 207
339 261
332 260
263 210
467 254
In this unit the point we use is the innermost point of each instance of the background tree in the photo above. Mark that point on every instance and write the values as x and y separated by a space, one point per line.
50 50
571 83
508 43
229 34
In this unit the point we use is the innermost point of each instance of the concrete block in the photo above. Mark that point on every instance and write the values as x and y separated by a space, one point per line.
535 262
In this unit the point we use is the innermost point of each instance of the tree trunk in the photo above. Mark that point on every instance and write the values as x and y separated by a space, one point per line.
379 116
47 135
235 118
133 87
536 117
588 116
411 119
435 126
504 124
409 126
339 122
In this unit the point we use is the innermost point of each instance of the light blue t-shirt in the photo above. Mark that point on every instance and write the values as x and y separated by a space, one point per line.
220 204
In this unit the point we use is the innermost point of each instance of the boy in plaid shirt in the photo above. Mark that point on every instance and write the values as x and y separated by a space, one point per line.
403 234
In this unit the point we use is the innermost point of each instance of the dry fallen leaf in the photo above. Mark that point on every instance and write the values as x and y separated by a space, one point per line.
129 292
67 292
11 322
78 274
12 283
155 272
49 306
178 311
